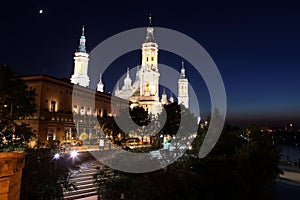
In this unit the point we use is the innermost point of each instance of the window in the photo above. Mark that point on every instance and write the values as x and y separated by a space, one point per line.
68 133
51 133
152 58
82 111
75 109
52 106
88 111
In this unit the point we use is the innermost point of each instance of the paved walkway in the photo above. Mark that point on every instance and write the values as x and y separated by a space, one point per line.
90 198
291 173
288 185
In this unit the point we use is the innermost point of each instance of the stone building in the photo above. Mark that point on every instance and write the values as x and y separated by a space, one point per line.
58 103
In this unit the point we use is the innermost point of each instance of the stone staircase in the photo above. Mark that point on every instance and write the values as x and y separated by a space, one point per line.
83 180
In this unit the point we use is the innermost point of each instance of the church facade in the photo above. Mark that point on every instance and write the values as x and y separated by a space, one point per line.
144 90
54 119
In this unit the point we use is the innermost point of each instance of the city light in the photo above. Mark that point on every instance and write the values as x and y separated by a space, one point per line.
56 156
74 154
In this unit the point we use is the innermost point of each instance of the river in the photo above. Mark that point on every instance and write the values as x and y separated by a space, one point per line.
290 152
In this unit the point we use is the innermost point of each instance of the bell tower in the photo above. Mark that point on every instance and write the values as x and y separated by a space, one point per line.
183 91
149 74
81 59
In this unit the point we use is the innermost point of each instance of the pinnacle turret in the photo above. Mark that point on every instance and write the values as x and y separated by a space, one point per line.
182 74
150 36
100 85
81 47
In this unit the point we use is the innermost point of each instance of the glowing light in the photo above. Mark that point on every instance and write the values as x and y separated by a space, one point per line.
56 156
41 11
74 154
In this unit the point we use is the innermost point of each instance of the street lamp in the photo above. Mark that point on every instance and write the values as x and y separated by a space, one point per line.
74 154
56 156
11 110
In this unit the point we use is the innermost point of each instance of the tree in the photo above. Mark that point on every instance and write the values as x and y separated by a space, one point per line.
140 116
45 178
17 102
137 114
109 126
235 169
173 117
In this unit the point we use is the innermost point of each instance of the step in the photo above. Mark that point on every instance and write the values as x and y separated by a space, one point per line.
81 174
79 196
93 167
84 181
79 191
81 187
85 185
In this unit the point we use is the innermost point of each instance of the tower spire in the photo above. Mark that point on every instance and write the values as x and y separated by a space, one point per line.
100 85
183 88
81 61
137 75
81 47
150 20
100 81
171 99
127 72
150 36
164 99
127 81
182 74
118 86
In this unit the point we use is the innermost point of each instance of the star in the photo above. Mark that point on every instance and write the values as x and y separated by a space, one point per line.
41 11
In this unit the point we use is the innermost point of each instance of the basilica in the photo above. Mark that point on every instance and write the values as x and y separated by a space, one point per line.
144 90
56 107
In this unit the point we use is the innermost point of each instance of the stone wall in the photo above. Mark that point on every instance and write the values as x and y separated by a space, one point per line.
11 165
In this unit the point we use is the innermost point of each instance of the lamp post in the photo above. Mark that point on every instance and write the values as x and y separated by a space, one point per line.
89 118
77 128
11 110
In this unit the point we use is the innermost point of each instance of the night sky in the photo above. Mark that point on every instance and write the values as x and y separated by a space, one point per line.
256 46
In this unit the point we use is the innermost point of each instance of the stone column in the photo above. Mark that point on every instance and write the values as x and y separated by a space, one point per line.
11 165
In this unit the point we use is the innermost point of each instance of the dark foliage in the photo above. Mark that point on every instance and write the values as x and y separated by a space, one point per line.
44 177
17 102
237 168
